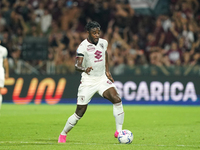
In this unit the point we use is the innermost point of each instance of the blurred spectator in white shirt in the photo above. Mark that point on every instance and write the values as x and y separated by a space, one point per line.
39 12
46 21
188 34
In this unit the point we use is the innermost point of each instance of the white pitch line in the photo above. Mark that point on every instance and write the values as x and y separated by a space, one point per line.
14 142
167 145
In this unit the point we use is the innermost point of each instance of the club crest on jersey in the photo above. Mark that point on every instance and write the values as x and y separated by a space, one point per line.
82 98
90 48
102 46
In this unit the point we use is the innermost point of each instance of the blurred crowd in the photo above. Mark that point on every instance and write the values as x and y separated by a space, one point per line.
170 40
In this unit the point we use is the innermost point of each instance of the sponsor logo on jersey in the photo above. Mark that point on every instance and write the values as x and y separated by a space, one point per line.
98 54
98 60
109 82
90 48
102 46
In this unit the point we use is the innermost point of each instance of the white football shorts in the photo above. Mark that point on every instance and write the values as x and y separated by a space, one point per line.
88 87
2 78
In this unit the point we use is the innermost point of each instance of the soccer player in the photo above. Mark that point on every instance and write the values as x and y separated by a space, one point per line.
4 69
92 61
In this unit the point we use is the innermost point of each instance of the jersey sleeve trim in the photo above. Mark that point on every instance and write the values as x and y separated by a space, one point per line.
79 54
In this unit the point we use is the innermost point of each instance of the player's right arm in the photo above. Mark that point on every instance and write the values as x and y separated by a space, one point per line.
79 59
80 68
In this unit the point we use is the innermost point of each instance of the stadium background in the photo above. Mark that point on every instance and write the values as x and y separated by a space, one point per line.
154 49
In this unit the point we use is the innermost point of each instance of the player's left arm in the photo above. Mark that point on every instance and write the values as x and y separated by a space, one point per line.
6 67
108 74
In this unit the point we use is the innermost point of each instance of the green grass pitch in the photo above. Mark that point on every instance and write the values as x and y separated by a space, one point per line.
37 127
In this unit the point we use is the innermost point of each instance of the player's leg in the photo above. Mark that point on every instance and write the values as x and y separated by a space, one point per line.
84 96
1 99
118 112
73 119
71 122
1 86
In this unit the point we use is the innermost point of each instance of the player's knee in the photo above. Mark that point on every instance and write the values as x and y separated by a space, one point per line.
115 99
80 110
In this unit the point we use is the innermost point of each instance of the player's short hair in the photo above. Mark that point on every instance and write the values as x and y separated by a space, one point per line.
92 24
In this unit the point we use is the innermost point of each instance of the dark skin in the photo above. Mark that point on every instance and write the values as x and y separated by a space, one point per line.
110 94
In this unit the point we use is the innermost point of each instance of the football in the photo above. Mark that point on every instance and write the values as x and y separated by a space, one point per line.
125 137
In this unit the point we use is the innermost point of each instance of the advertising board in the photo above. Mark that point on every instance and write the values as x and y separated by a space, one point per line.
55 89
